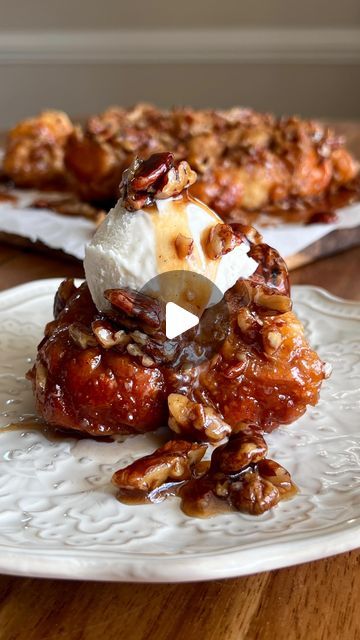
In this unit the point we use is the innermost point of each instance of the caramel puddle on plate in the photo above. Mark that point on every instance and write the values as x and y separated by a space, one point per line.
102 449
25 425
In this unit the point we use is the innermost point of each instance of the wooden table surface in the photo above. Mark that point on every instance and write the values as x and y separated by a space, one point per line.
314 601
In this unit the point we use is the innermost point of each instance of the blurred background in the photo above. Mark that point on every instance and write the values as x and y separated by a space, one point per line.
277 55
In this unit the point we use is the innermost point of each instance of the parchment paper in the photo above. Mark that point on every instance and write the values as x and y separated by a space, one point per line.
72 233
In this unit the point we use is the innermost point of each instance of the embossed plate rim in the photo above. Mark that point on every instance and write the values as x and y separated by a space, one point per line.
76 563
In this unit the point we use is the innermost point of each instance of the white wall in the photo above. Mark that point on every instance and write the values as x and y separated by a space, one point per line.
284 56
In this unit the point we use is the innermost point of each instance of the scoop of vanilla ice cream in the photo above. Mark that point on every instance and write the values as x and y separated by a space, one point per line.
132 247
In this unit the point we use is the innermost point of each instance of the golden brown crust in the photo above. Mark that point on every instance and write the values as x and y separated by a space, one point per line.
34 155
246 161
115 373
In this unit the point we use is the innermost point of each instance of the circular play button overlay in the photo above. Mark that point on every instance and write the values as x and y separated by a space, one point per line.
194 316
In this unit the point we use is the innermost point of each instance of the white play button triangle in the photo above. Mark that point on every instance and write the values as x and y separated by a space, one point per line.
178 320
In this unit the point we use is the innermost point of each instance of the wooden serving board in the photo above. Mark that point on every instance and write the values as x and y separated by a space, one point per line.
336 241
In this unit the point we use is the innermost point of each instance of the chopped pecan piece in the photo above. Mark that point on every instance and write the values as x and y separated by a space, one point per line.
82 336
272 340
221 240
263 296
184 246
136 351
196 420
146 361
247 233
244 449
248 322
107 336
174 462
272 301
253 489
140 338
253 494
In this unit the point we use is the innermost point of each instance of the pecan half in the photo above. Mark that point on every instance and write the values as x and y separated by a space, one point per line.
244 449
137 305
253 494
158 177
272 270
148 172
174 462
278 476
195 419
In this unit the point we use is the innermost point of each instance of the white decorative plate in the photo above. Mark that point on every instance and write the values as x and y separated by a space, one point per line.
58 513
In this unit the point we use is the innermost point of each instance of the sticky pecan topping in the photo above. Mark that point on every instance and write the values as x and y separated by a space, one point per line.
248 447
142 308
81 335
158 177
107 336
272 269
174 462
196 420
278 476
221 240
257 488
253 494
267 299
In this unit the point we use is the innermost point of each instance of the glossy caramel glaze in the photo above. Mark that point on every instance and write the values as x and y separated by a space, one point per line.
264 373
35 149
239 477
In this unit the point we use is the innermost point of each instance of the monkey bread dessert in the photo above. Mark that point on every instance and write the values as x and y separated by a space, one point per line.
106 365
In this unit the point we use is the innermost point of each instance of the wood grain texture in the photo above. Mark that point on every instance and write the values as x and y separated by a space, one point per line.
314 601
